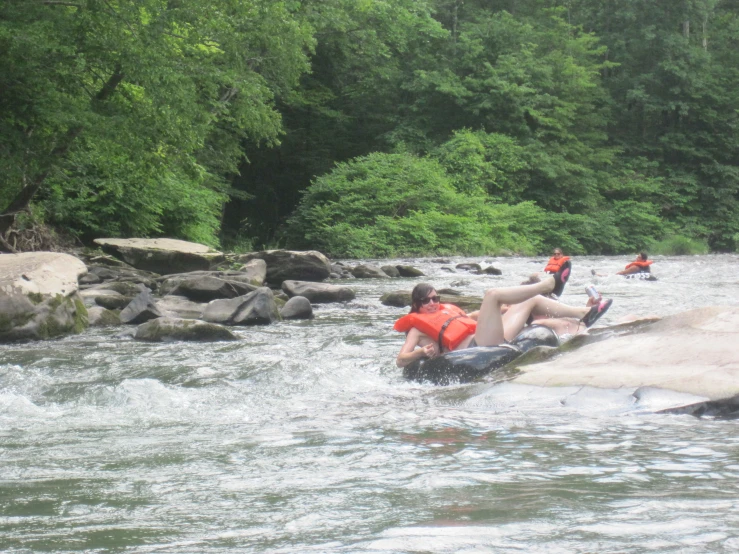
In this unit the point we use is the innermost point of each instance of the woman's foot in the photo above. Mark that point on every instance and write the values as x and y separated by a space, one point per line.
596 312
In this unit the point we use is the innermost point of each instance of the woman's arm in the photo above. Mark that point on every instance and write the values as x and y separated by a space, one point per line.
409 353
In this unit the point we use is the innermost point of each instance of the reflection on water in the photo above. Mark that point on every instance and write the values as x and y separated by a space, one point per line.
303 437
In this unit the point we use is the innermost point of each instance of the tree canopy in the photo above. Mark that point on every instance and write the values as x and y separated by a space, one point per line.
592 125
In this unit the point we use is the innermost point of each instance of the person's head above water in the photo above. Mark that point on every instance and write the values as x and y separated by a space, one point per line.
642 256
423 294
557 252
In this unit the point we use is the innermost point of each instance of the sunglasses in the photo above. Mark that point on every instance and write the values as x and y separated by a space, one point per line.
435 299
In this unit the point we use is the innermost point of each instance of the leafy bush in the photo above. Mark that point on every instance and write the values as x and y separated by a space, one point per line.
399 204
679 245
484 162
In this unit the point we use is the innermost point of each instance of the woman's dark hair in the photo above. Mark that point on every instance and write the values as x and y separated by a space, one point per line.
643 256
420 291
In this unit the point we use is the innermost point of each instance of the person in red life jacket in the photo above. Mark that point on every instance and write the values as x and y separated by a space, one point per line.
433 328
556 261
640 265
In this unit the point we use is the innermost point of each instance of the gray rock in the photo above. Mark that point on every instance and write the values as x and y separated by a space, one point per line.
163 256
36 316
90 279
256 271
489 271
256 308
390 271
298 307
469 267
318 293
126 288
409 271
38 296
368 272
172 329
45 273
146 278
206 288
180 307
240 280
106 298
142 308
101 317
285 265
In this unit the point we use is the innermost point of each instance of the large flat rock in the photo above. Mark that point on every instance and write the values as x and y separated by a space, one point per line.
696 352
163 256
45 273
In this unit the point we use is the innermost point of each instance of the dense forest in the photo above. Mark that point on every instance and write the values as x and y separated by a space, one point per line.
369 128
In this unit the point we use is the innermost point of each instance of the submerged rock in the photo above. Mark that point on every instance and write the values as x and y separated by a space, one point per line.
172 329
298 307
255 308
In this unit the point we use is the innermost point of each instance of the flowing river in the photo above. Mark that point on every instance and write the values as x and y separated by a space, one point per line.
304 437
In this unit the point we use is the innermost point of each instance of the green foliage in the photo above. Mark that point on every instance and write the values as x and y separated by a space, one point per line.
480 162
398 204
131 114
679 245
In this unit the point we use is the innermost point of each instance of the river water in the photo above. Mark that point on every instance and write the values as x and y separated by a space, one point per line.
303 437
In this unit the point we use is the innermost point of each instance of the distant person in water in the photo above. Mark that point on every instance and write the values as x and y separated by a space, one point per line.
556 264
640 265
433 328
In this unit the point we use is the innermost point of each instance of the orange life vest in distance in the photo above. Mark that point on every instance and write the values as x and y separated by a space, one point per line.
459 327
554 264
643 266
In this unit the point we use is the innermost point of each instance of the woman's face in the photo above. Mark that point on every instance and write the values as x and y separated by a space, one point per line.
557 254
430 304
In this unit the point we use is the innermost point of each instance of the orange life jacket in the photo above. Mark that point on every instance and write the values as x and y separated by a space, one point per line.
643 266
554 264
458 328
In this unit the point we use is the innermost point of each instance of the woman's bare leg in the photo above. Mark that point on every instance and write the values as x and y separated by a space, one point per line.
514 320
490 327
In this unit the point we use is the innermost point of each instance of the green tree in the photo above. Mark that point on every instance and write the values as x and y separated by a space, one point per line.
129 114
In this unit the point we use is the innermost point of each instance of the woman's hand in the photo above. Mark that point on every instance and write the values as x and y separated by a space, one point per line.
429 350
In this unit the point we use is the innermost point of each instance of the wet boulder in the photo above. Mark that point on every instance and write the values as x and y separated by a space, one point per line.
255 271
364 271
163 256
284 265
124 274
142 308
490 270
38 296
298 307
180 307
102 317
409 271
318 293
390 271
469 266
166 329
207 288
256 308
